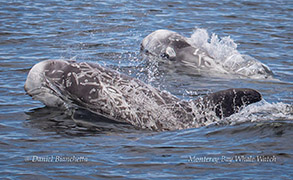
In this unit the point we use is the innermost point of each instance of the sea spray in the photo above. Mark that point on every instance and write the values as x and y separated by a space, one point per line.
225 54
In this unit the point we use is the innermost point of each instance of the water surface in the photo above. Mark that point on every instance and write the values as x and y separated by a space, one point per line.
257 144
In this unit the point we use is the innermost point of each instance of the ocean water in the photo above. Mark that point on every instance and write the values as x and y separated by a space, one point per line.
37 142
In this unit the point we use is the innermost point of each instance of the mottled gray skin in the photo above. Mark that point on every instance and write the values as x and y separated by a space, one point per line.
171 46
174 47
125 99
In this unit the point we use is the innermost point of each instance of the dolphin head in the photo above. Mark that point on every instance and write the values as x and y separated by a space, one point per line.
38 85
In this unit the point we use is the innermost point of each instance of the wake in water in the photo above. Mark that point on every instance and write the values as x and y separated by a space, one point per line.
262 111
207 55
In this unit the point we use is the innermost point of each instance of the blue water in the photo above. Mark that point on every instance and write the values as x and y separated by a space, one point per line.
34 138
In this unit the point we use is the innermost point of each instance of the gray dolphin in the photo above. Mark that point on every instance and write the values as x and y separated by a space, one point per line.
175 47
172 46
116 96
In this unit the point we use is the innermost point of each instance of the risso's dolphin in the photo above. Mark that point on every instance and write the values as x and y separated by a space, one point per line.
171 46
116 96
174 47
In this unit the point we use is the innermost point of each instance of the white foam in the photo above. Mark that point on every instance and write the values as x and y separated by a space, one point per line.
263 111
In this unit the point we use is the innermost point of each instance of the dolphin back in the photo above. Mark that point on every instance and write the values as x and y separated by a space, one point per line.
230 101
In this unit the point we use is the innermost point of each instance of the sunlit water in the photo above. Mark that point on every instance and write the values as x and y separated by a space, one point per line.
41 143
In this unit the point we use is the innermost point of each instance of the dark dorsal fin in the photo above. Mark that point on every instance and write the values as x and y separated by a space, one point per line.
230 101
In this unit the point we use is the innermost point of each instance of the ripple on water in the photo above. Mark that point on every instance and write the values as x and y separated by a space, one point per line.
110 32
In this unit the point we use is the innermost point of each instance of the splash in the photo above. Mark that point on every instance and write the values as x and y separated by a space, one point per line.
225 54
263 111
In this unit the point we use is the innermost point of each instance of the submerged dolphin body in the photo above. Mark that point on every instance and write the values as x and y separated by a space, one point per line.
110 94
172 46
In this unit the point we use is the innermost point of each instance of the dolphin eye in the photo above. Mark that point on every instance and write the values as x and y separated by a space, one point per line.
165 55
